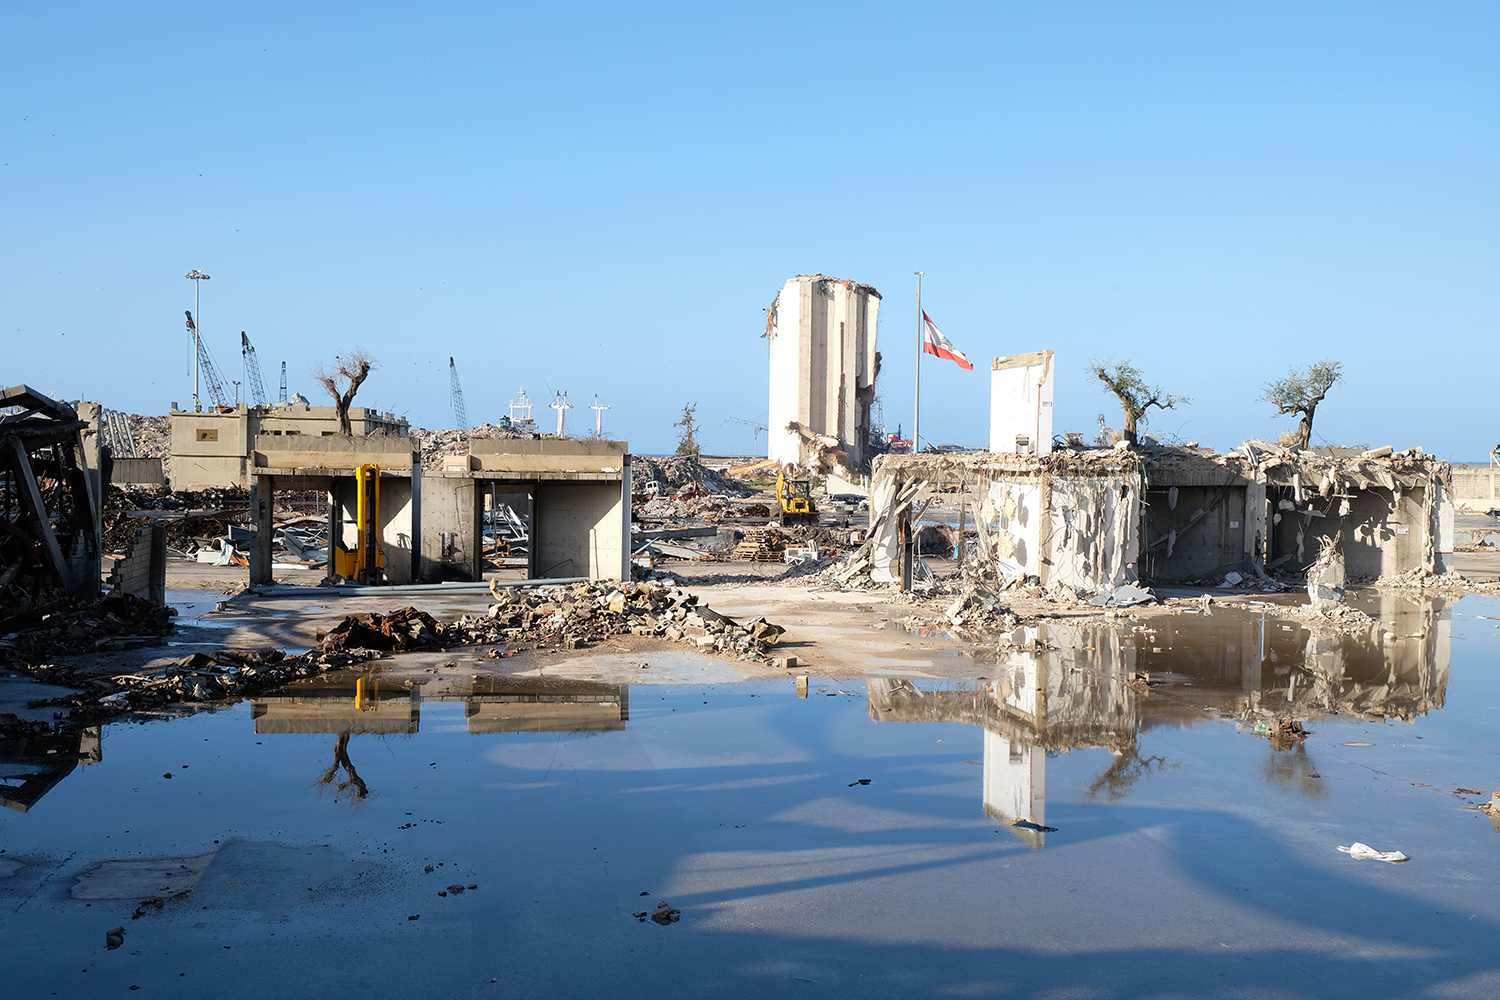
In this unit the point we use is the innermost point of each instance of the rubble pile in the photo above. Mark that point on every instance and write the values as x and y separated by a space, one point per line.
117 621
592 612
438 446
682 476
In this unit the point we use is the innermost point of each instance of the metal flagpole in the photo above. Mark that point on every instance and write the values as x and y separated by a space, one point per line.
916 424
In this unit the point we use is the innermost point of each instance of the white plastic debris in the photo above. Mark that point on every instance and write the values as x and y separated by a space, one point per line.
1364 852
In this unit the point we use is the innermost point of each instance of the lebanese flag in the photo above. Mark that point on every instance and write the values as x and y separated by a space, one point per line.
933 342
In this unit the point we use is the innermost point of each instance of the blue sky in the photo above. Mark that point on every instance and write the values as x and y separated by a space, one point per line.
603 198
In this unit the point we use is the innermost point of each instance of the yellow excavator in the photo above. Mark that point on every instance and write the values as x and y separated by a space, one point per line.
794 497
365 562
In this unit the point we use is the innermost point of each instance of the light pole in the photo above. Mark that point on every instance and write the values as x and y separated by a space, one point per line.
196 276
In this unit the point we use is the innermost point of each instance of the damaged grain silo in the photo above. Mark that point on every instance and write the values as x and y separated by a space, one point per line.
823 370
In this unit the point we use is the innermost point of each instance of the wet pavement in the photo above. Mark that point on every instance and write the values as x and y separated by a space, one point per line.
1174 842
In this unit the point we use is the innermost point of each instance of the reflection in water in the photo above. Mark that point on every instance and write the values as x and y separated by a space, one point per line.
32 763
349 705
354 788
1060 687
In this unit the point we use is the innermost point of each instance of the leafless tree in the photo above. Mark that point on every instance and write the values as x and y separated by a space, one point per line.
353 368
1135 396
1301 392
354 788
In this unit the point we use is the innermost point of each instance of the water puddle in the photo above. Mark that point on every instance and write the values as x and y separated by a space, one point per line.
993 837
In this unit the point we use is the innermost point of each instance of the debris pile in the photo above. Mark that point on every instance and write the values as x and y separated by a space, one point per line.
437 447
404 628
116 622
591 612
761 545
682 476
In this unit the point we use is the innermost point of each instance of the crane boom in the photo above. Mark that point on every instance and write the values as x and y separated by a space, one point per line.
252 370
456 397
210 374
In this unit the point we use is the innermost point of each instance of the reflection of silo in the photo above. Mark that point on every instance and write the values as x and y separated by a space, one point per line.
1015 784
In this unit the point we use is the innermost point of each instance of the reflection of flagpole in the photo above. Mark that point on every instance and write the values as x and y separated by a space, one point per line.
916 424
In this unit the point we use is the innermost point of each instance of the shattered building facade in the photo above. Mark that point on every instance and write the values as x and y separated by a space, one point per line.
823 368
1093 520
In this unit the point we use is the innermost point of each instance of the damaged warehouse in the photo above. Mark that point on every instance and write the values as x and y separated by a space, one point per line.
1094 520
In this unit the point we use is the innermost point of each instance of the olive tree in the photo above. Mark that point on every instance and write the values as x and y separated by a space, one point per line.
353 368
1300 391
1124 380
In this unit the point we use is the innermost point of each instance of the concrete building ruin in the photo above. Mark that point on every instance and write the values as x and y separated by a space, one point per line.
823 368
212 448
1093 520
429 524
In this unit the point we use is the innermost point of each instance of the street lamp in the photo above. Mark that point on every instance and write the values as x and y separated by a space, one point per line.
196 276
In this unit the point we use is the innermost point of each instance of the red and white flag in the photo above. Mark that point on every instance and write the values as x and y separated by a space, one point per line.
933 342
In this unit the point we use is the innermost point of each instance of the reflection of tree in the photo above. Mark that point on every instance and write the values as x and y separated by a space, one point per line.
1294 769
1128 768
354 788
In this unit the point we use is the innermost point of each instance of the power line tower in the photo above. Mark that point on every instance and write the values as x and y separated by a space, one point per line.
456 397
598 409
252 370
562 406
283 381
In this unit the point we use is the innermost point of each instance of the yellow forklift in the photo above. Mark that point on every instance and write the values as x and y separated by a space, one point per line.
364 563
794 498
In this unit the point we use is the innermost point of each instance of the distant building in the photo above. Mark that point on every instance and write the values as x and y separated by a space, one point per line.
823 369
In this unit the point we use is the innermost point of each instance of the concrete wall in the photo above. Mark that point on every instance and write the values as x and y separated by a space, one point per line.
522 456
579 529
341 453
1381 537
1213 544
1092 534
822 364
451 529
210 449
1017 527
1021 402
1476 487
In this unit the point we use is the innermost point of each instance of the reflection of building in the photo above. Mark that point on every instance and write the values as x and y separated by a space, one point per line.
341 704
1062 687
1077 695
32 764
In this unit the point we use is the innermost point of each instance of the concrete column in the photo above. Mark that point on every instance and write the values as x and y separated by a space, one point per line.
625 543
415 576
262 528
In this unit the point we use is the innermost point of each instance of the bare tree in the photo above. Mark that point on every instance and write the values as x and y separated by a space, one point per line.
1135 396
355 787
354 368
1301 392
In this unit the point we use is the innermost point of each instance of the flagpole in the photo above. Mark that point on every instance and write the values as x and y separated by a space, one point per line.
916 424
